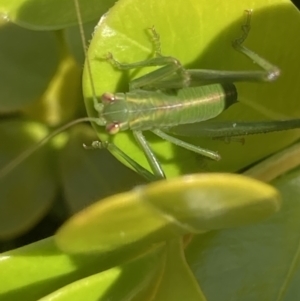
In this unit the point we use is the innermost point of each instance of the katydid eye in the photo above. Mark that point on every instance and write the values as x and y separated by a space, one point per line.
113 128
108 98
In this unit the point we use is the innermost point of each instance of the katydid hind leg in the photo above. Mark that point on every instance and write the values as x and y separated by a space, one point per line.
225 129
271 72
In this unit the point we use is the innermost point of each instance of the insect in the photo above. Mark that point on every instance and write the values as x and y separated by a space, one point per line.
174 100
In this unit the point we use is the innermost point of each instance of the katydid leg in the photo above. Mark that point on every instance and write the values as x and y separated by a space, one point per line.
271 72
174 76
170 66
114 149
196 149
219 129
151 158
156 41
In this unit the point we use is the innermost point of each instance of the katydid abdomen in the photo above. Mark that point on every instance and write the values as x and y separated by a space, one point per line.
145 110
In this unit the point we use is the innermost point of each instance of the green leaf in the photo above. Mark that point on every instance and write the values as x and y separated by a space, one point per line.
128 282
200 36
258 262
167 209
52 14
28 62
252 263
177 282
26 193
41 81
36 270
77 278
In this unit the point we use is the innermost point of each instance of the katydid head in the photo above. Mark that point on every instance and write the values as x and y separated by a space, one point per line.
114 113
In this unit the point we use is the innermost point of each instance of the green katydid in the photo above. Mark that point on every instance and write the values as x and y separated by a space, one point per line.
175 100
